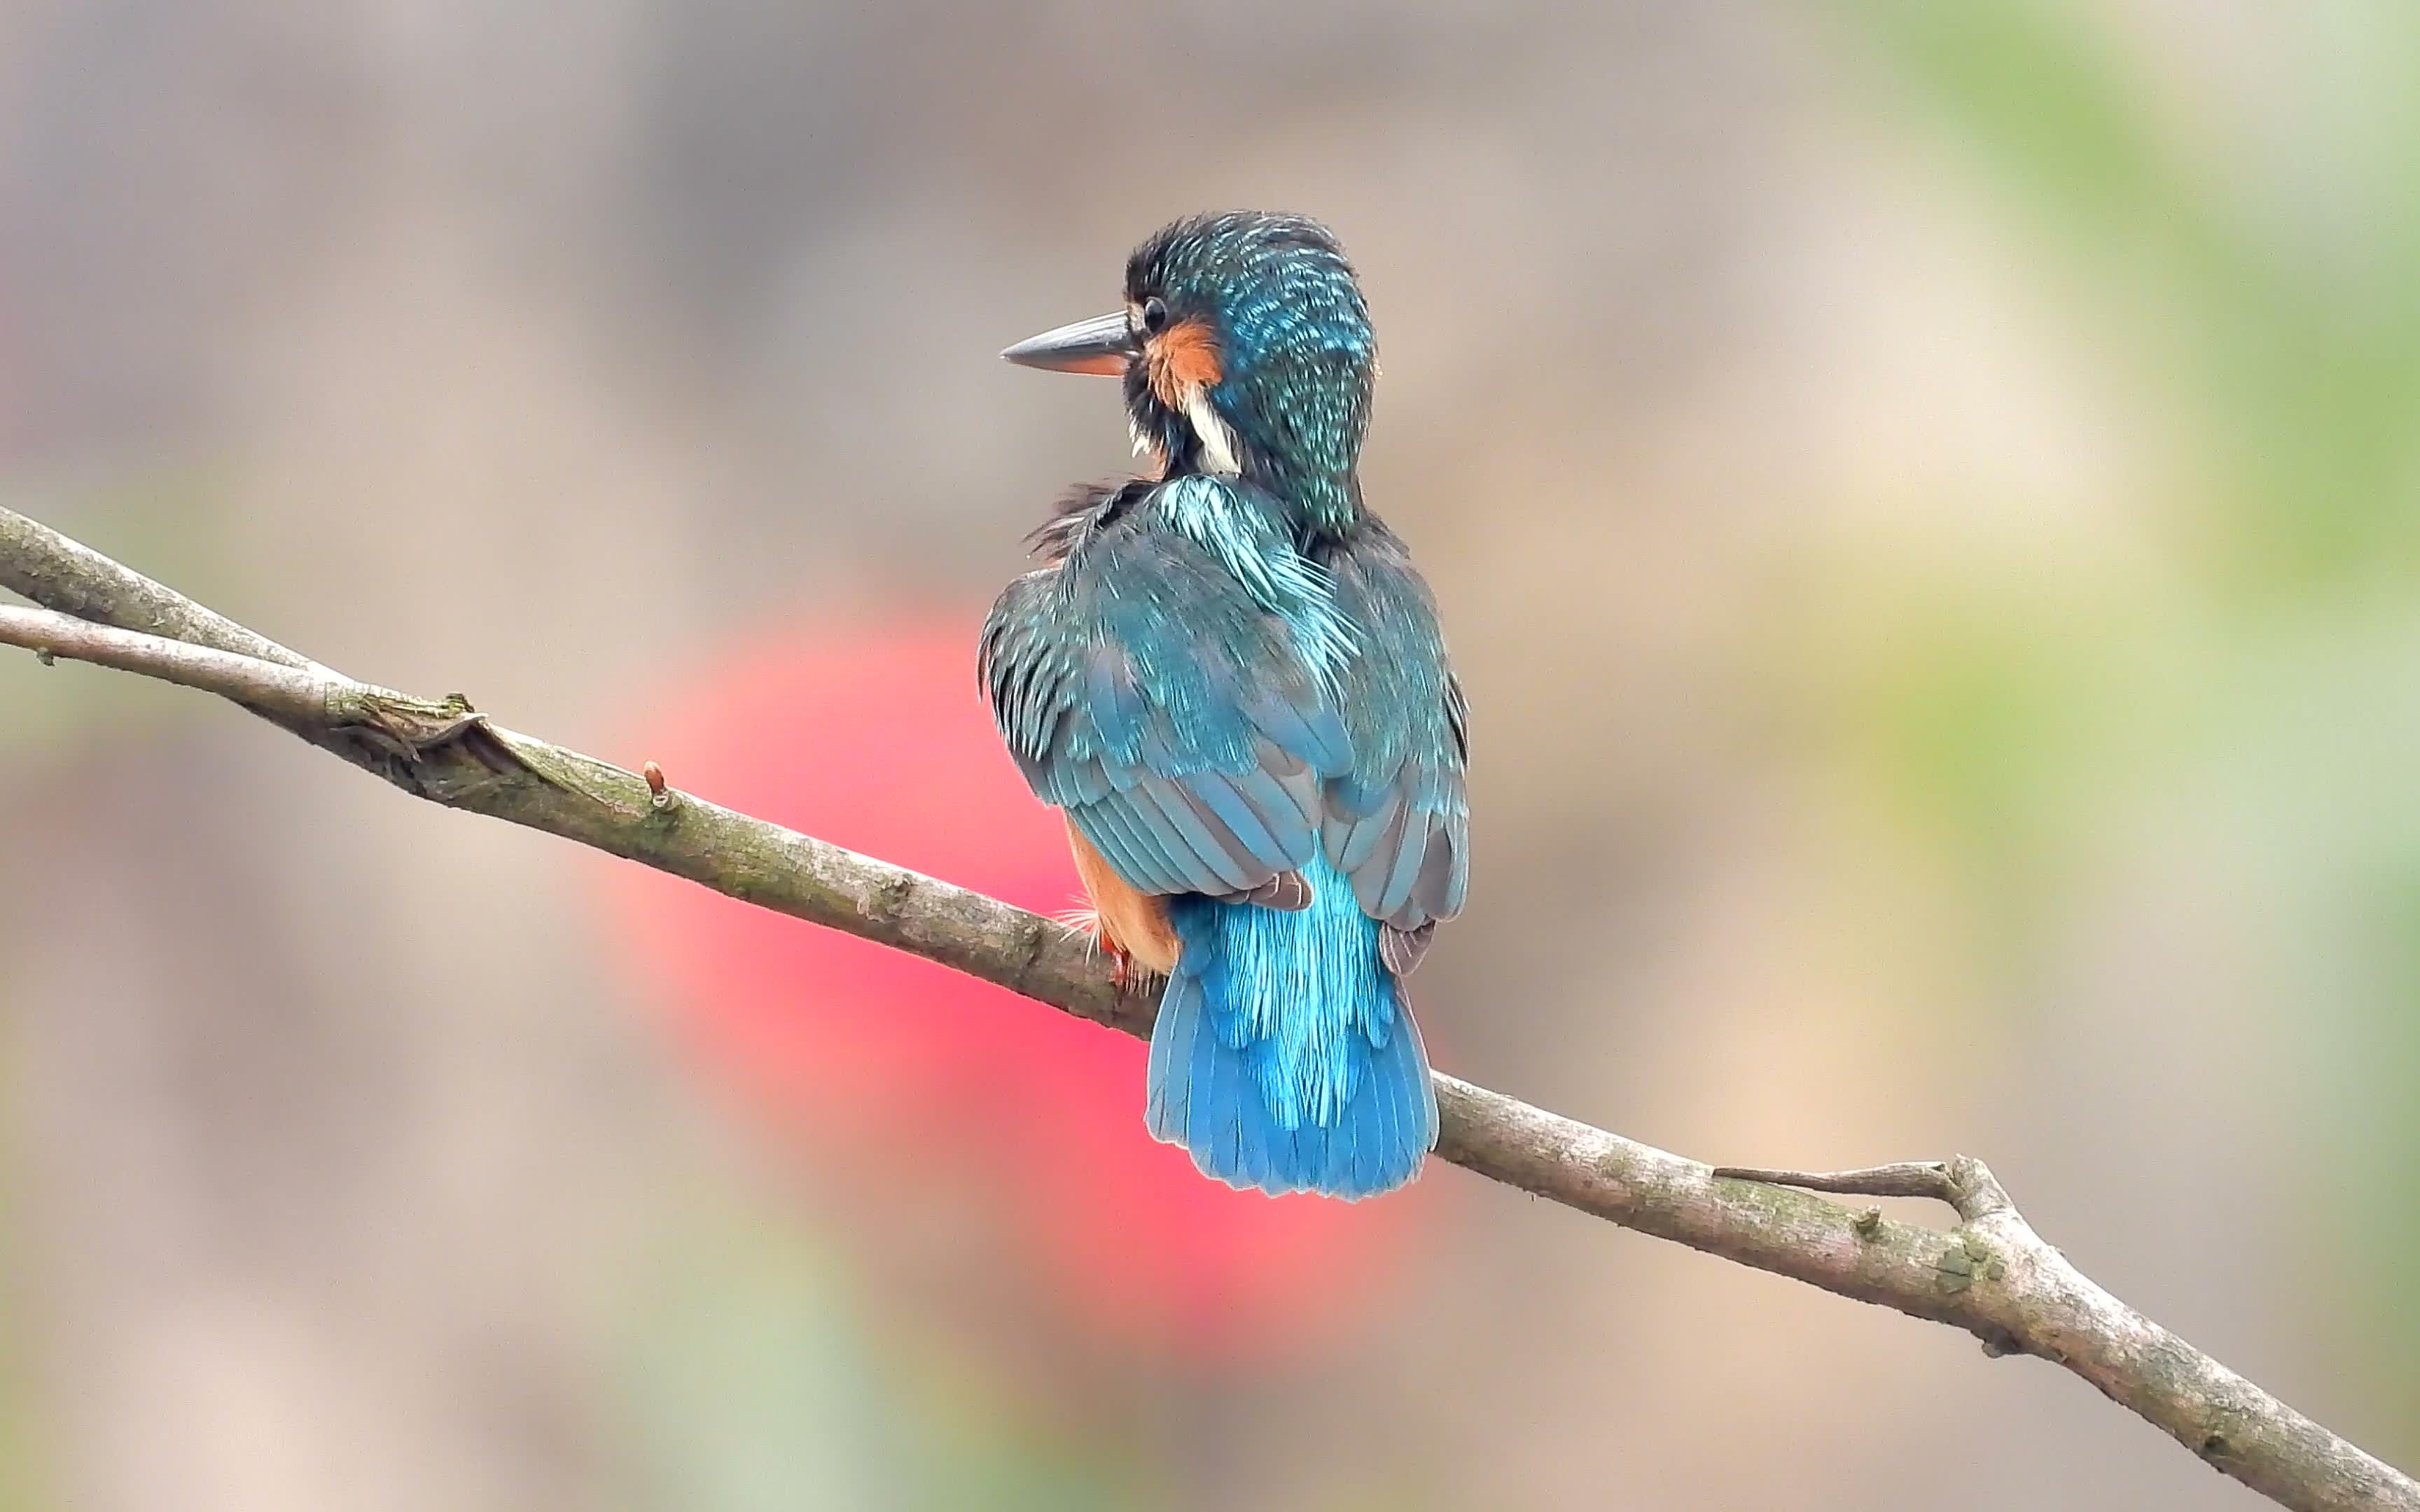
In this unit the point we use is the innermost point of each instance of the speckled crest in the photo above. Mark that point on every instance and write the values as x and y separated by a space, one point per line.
1279 283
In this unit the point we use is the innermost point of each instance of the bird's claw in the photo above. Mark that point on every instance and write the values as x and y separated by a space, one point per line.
1086 920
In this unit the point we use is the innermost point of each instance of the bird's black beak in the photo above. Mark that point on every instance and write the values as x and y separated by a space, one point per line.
1100 345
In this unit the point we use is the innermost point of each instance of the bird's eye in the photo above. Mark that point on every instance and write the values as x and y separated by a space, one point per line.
1154 315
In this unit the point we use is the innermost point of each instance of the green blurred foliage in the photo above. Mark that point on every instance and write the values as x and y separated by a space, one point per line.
756 1382
23 1464
2275 294
169 518
2248 256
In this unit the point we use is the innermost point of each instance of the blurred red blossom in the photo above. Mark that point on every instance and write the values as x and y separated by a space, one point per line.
1031 1120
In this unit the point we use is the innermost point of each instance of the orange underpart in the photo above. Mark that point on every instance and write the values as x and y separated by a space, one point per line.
1129 922
1183 358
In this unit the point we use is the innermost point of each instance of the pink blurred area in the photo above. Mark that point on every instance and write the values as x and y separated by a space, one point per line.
902 1086
1921 499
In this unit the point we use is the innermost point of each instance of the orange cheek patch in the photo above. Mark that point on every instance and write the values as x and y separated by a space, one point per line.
1183 358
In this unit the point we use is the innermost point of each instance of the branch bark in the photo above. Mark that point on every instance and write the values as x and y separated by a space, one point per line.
1991 1274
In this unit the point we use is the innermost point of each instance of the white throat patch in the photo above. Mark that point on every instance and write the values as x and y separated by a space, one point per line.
1220 452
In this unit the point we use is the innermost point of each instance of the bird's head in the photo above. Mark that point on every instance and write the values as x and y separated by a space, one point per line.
1245 350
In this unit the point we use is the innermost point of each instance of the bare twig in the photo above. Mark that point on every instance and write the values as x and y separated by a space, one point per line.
1908 1179
1991 1275
291 692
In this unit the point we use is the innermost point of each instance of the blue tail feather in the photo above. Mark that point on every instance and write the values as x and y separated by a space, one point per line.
1285 1058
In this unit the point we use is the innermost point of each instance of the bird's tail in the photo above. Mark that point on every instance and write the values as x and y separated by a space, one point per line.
1285 1058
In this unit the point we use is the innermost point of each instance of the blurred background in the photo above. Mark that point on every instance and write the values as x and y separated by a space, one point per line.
1925 499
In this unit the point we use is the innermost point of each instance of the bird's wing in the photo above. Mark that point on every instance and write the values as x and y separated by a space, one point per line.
1399 822
1143 690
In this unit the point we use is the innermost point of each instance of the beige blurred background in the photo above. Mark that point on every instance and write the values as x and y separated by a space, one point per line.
1926 501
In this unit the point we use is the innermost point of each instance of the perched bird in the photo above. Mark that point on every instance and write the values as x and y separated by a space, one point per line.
1231 678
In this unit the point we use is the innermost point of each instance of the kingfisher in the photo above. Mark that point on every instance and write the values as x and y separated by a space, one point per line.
1231 678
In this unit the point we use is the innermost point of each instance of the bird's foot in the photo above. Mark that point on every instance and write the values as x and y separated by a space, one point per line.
1086 920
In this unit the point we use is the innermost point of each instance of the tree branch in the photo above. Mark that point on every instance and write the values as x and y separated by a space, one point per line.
1991 1275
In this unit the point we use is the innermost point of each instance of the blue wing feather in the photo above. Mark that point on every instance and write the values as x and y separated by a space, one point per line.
1398 824
1216 709
1208 733
1182 720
